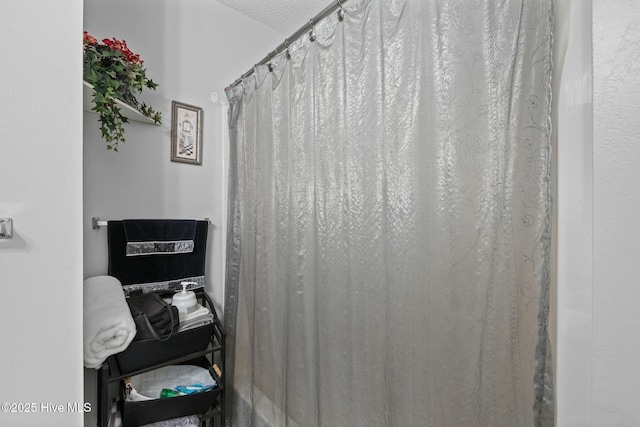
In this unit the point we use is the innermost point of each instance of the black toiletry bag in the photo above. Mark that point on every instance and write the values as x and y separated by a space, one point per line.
142 353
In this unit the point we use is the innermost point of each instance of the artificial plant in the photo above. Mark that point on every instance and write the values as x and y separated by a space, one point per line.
115 73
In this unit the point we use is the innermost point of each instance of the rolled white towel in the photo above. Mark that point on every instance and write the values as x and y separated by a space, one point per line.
108 325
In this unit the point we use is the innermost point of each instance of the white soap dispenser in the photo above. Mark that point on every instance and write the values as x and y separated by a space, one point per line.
185 301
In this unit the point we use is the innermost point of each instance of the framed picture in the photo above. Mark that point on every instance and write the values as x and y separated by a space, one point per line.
186 133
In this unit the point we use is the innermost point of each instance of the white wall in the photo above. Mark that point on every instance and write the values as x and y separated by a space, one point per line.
41 189
191 49
572 88
598 232
616 213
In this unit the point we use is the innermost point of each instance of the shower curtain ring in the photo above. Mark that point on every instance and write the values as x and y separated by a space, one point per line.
312 33
341 11
286 44
269 64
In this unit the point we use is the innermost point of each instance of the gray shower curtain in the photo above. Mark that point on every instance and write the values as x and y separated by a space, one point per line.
389 222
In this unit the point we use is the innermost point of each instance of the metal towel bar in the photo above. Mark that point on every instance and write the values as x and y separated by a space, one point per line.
96 223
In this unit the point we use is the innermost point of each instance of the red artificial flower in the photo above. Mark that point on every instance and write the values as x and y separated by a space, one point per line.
88 38
122 47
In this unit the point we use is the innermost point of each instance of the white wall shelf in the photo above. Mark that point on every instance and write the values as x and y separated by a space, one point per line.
128 111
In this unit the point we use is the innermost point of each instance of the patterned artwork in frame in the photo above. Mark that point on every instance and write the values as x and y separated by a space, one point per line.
186 133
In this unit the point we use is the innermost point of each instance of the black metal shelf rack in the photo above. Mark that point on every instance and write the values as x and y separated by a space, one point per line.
110 373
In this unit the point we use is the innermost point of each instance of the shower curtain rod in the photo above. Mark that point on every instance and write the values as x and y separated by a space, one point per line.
285 45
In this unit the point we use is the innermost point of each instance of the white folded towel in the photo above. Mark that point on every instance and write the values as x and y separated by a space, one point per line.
108 325
196 322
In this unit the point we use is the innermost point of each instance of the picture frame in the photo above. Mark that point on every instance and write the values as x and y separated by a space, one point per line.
186 133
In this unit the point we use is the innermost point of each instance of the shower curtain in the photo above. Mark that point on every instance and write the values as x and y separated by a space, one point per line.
389 221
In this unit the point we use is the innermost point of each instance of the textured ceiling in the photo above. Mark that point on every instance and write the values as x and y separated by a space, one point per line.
284 16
